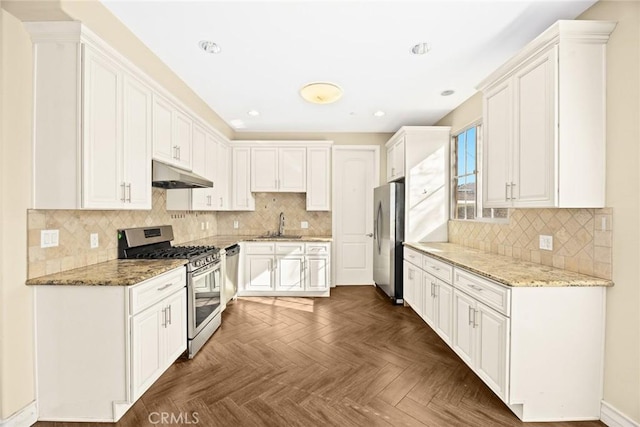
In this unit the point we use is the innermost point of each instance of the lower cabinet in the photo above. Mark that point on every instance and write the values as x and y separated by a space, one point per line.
540 349
285 268
99 348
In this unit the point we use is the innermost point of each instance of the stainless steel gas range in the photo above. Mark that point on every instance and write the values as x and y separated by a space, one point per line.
203 272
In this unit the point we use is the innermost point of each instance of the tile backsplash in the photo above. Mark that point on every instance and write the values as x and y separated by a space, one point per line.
76 226
581 238
265 218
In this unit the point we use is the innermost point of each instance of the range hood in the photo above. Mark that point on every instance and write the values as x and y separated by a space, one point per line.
169 177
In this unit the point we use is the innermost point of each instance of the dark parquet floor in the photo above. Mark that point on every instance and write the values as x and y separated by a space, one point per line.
349 360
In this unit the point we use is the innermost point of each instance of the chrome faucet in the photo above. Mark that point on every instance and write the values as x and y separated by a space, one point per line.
281 225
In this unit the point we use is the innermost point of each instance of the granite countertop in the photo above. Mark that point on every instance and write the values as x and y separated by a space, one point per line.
506 270
117 272
226 241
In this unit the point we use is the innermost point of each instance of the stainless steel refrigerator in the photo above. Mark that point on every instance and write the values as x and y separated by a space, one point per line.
388 235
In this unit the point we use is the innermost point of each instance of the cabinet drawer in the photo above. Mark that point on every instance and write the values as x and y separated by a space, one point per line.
491 294
260 248
289 248
437 268
153 290
318 248
413 256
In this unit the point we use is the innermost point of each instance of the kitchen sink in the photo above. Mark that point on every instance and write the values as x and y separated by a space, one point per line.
280 237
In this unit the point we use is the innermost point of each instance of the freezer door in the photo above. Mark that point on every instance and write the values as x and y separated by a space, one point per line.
383 212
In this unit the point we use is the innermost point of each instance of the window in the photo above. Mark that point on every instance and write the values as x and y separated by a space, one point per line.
466 201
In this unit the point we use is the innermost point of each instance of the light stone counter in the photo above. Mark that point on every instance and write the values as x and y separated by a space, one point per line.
226 241
117 272
506 270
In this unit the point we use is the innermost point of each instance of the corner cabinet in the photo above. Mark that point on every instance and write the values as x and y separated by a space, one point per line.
285 268
99 348
544 121
92 123
521 341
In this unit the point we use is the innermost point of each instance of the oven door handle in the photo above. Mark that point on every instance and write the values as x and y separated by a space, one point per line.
205 270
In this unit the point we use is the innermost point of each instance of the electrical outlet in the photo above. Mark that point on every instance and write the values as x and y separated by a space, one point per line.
207 225
235 224
304 224
49 238
93 240
546 242
202 226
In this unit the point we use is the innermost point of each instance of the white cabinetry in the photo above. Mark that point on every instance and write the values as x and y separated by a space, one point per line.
318 177
285 268
241 197
223 177
278 169
92 123
172 133
521 341
544 114
99 348
423 153
395 158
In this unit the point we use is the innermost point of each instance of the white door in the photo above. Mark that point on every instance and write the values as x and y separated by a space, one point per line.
463 340
289 273
176 326
292 174
182 127
409 283
223 174
429 299
444 303
163 147
355 175
147 332
259 273
264 169
242 199
199 166
491 356
317 273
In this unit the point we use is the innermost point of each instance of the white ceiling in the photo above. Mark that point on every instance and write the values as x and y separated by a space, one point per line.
270 49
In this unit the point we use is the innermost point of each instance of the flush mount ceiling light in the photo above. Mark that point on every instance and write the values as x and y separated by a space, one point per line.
447 92
253 113
237 123
379 113
321 92
421 48
209 46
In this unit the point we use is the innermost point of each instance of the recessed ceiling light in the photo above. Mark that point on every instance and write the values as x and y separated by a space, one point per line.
209 46
447 92
421 48
321 92
237 123
379 113
253 113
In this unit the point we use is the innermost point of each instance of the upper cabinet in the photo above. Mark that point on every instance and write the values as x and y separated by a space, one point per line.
278 169
241 197
319 177
92 124
544 121
172 134
395 158
421 154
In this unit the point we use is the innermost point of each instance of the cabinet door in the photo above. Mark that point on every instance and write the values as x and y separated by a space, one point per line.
398 159
390 163
182 127
176 326
290 273
463 339
429 298
292 169
163 147
147 343
444 311
242 199
137 143
497 142
318 178
318 273
223 177
533 157
199 196
492 344
264 169
410 274
418 293
103 186
259 273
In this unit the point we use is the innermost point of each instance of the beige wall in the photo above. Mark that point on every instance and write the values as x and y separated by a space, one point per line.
338 138
16 300
622 348
622 354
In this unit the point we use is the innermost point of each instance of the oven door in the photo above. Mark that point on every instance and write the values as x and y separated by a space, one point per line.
204 297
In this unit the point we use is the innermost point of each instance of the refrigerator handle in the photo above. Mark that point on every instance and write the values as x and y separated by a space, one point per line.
378 223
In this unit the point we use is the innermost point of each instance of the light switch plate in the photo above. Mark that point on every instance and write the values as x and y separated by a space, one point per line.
546 242
93 240
304 224
235 224
49 238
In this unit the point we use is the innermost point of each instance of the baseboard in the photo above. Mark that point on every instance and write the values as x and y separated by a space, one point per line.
26 416
614 418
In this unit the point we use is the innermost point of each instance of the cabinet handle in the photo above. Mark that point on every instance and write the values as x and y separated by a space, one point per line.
179 154
128 187
411 274
477 288
169 311
471 316
435 268
175 151
124 195
220 201
162 288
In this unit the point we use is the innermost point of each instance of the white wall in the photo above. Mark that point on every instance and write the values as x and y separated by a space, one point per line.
17 388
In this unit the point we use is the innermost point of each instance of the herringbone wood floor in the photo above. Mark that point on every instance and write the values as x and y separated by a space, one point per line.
349 360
